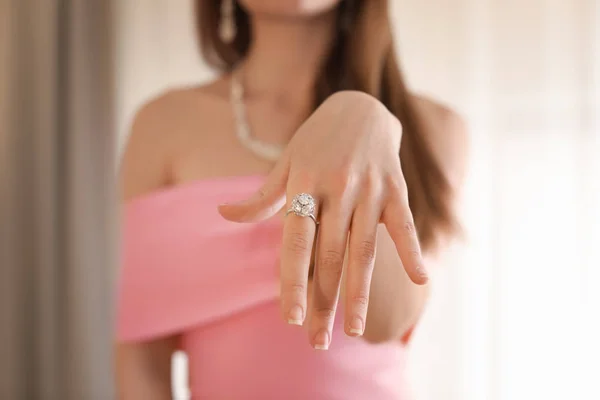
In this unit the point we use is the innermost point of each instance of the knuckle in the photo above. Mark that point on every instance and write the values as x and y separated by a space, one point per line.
331 262
366 252
415 254
361 299
295 288
371 186
298 243
325 312
340 181
304 178
397 184
409 227
372 178
262 193
344 175
336 187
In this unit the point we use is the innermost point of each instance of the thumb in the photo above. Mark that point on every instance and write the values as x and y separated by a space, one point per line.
263 204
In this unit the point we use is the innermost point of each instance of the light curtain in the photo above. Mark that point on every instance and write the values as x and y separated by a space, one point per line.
56 200
519 307
514 309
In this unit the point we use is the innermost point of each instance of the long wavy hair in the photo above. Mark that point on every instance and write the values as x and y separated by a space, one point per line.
362 58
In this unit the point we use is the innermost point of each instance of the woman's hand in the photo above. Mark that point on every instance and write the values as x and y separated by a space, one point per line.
345 156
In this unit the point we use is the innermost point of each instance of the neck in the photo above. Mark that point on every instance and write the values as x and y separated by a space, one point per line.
286 55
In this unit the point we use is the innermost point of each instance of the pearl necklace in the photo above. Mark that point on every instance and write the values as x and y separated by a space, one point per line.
267 151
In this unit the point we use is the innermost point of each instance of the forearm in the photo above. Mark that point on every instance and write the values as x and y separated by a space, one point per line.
143 372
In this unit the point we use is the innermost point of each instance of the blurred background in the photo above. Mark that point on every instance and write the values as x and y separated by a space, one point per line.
515 312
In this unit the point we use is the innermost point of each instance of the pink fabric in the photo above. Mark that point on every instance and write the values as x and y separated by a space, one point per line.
188 271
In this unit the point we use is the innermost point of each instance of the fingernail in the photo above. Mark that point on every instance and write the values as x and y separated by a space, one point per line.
356 326
321 341
296 316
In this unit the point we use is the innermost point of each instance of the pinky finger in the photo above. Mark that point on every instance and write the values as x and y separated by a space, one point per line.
399 223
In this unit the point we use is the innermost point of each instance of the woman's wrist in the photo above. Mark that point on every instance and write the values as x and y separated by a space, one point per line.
375 109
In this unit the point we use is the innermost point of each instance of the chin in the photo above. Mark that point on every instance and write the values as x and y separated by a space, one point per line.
289 8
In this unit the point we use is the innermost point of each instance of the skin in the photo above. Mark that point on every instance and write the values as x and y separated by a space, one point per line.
345 154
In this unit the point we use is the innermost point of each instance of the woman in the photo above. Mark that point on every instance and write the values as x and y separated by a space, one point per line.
311 108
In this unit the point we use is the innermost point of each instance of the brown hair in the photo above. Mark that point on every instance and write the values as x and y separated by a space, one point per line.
361 58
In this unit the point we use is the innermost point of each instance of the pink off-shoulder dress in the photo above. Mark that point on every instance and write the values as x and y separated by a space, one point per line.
188 271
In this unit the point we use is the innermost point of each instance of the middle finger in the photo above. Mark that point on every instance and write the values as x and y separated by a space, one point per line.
331 247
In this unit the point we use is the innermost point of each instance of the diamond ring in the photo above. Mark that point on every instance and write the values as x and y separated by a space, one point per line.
303 205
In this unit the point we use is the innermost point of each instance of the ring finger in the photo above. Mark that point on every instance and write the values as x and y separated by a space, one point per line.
298 240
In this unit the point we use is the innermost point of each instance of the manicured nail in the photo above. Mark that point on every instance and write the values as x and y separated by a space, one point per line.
321 341
356 327
296 316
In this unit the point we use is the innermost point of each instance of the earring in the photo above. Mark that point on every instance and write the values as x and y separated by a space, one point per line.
227 27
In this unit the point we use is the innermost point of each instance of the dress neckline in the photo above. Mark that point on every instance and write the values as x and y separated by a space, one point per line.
215 182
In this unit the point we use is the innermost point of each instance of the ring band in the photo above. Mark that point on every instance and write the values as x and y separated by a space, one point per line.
309 215
303 205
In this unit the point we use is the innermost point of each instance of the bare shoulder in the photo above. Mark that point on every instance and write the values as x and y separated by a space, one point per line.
167 107
448 135
155 134
443 123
